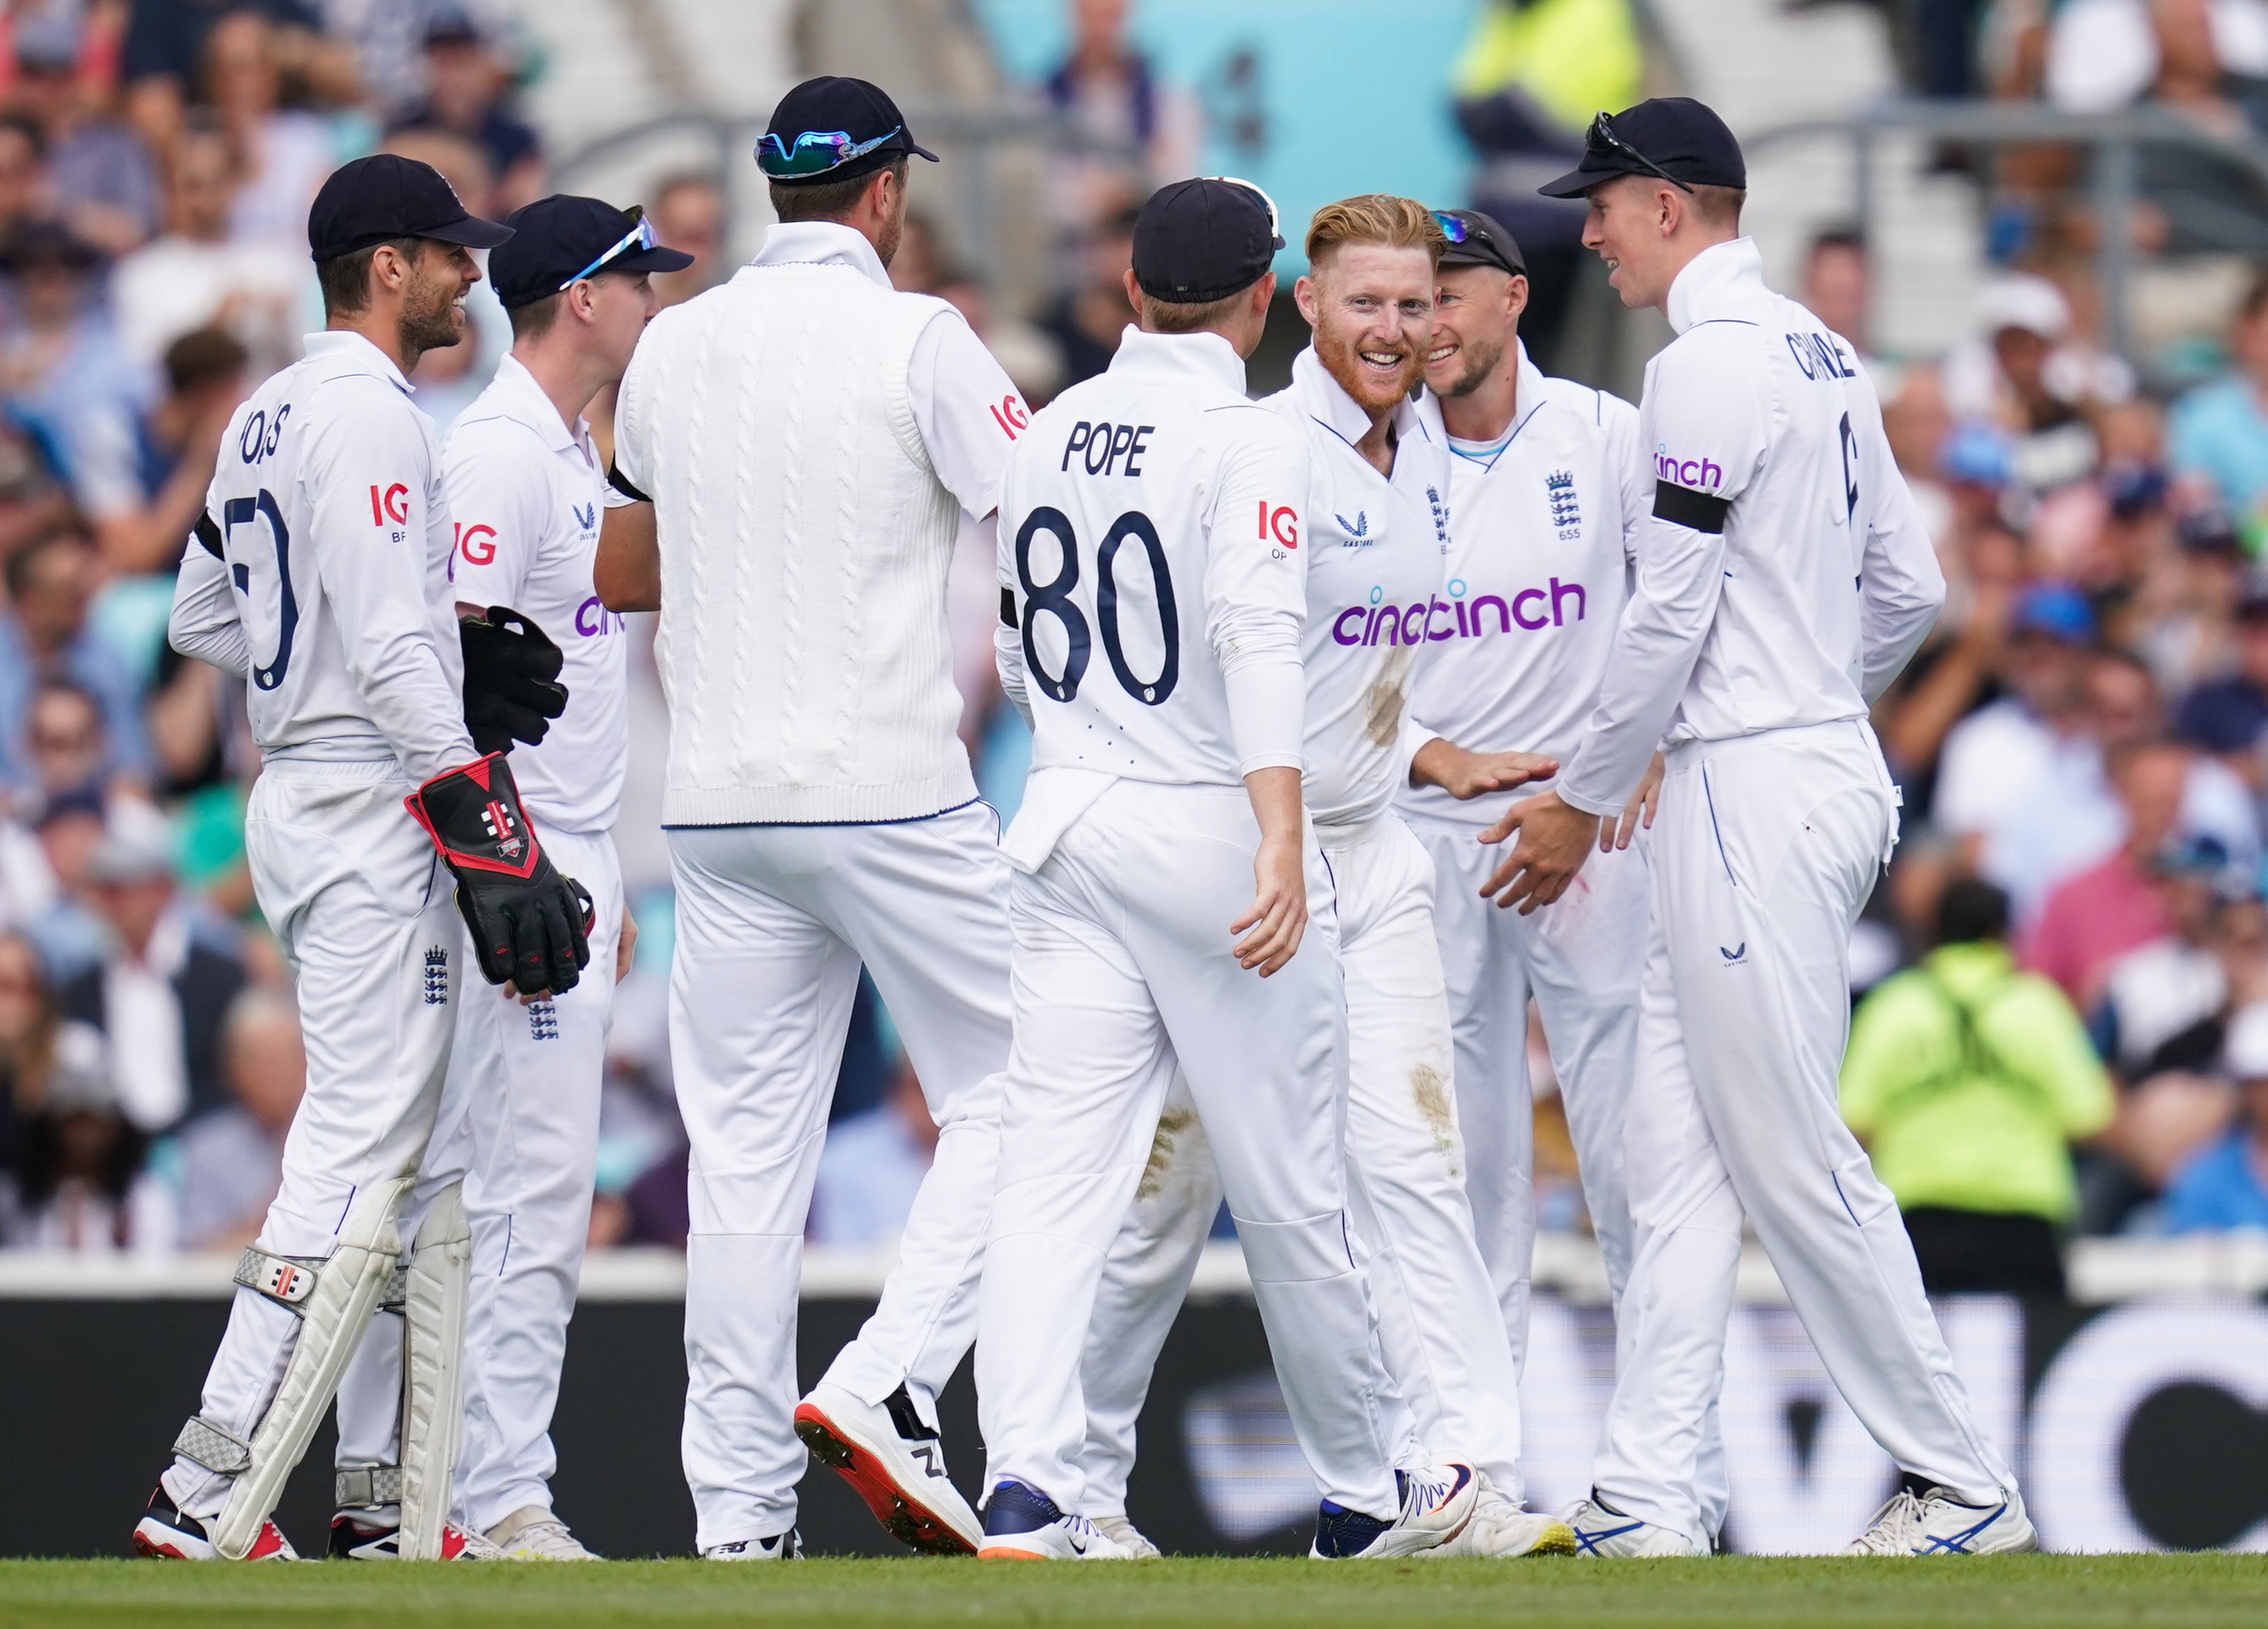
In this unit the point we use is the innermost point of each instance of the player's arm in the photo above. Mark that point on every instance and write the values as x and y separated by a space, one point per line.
204 623
626 574
968 412
498 499
1255 599
1901 586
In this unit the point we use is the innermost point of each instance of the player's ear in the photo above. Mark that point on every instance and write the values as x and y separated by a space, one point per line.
1515 297
1303 295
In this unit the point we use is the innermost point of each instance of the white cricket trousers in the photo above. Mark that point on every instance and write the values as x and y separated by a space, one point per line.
365 913
1765 849
1439 1325
773 923
1124 969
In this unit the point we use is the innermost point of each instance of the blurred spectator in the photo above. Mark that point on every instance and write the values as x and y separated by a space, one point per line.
1087 322
2226 1186
198 276
2104 54
1968 1081
1945 41
688 216
2218 432
1993 757
103 185
164 58
23 174
1838 288
2192 634
75 1177
232 1159
1531 75
2091 918
142 496
2162 1003
281 154
47 638
465 86
1126 130
65 744
67 381
2228 716
201 741
160 992
2029 373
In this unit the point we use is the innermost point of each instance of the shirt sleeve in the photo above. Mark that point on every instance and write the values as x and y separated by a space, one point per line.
1901 586
374 572
1256 585
497 504
630 425
1707 418
1007 629
1635 469
204 623
968 410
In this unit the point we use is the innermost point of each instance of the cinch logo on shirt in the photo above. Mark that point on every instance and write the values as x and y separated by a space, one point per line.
1688 471
593 621
1455 618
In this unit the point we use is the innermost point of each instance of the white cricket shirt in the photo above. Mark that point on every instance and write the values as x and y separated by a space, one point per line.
1538 573
524 493
334 595
1784 574
1376 544
1153 569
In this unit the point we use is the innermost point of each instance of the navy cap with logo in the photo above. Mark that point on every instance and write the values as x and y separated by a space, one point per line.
1673 138
1478 239
834 129
1201 240
385 196
557 241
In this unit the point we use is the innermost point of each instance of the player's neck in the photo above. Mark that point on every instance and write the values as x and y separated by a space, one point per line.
567 378
1485 412
381 328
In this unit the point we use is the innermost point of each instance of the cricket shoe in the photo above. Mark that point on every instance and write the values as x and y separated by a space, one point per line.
786 1546
1437 1505
531 1533
1503 1530
1128 1537
1929 1521
1605 1533
894 1461
356 1538
1023 1524
164 1534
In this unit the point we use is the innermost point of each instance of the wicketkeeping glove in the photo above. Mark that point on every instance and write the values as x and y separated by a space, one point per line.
511 672
530 926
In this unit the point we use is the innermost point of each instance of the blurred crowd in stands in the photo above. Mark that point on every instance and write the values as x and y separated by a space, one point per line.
2062 987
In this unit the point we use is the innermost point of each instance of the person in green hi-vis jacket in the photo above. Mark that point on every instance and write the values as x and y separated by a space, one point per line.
1968 1080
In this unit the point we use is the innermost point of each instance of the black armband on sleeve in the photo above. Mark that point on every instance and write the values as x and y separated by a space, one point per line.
621 483
208 534
1682 506
1007 607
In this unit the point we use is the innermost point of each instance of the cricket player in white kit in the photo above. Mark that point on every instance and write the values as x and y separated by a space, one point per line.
1153 563
526 491
321 570
811 438
1784 578
1378 529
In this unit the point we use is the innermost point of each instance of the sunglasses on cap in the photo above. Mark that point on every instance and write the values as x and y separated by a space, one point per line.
639 236
1275 226
1602 135
814 153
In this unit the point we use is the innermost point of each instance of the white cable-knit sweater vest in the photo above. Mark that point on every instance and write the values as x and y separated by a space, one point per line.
805 538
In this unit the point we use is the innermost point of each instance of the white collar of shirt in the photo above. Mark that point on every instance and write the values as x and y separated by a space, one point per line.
1179 355
1528 395
1325 400
822 243
351 347
1721 274
517 397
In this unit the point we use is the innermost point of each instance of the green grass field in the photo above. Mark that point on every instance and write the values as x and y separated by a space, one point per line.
2163 1592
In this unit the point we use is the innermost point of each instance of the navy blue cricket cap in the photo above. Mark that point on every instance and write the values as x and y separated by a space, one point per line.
1673 137
1478 239
833 128
385 196
1201 240
557 239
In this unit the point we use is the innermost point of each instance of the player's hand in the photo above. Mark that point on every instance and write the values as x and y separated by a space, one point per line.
1463 774
1555 840
1639 811
1278 916
626 946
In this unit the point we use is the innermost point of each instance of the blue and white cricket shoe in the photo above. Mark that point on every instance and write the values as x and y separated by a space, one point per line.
1436 1506
1605 1533
1023 1524
1931 1522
